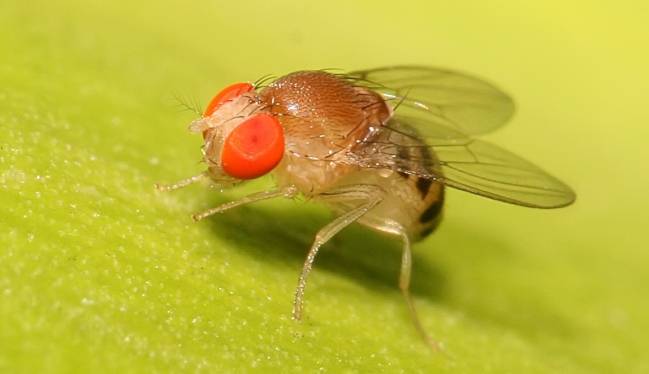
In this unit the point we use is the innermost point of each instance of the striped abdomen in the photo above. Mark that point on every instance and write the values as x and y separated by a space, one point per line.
428 194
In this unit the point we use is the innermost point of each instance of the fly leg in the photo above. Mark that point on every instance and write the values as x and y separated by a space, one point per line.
368 196
181 183
286 192
404 285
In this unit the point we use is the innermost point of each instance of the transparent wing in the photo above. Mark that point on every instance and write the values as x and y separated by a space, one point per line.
460 162
461 101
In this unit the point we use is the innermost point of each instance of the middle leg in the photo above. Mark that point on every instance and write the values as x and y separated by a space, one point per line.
368 196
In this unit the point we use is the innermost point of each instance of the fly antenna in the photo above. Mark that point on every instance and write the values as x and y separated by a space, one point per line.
189 104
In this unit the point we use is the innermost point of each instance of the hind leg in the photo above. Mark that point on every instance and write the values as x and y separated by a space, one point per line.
404 285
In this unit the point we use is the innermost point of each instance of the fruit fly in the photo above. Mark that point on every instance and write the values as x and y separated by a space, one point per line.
377 146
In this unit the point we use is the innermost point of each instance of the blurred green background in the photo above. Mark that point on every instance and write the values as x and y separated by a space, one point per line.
100 273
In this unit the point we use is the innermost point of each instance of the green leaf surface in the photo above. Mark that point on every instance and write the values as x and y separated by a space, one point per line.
100 273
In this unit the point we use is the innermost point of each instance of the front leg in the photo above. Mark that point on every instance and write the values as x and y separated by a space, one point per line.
368 196
181 183
286 192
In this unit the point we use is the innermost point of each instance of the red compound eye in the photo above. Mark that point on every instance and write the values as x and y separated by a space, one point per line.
253 148
230 92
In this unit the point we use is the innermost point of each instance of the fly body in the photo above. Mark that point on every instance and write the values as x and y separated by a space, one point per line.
378 146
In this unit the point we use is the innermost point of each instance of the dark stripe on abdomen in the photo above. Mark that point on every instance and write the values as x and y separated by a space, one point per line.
423 185
431 212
